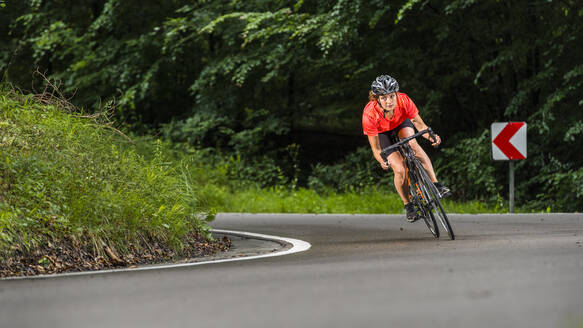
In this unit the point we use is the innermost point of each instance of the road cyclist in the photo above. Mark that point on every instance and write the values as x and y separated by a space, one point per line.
391 115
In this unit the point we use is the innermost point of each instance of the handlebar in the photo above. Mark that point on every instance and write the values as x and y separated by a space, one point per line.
385 151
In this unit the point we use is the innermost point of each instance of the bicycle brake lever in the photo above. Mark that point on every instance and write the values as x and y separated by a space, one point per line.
432 135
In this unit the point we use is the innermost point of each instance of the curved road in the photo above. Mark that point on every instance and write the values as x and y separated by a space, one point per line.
366 271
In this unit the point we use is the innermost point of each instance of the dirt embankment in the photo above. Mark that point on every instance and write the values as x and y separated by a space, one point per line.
74 256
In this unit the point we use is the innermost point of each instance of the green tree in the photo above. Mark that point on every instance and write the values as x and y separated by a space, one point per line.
249 78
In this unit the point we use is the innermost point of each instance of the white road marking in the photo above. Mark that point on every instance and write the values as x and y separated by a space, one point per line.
297 246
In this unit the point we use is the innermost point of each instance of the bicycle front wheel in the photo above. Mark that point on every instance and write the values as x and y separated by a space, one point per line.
435 208
419 196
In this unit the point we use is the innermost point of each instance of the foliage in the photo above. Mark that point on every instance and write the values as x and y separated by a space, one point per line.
65 175
247 77
468 168
355 172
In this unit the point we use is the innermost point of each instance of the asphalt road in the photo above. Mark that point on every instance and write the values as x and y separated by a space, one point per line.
362 271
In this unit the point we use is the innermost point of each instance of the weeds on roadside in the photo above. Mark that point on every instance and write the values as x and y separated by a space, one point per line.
67 175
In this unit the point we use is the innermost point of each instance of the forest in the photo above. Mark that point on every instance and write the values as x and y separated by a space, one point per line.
279 86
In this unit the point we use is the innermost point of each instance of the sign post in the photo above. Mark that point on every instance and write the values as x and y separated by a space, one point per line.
509 144
511 187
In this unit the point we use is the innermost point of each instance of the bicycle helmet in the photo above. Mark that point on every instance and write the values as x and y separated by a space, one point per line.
383 85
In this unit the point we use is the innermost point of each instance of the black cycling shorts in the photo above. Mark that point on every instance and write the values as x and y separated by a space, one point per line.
390 137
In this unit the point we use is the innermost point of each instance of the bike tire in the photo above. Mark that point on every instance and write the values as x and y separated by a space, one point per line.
442 216
435 207
419 197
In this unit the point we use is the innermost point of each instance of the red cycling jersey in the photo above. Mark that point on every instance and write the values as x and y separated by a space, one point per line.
373 121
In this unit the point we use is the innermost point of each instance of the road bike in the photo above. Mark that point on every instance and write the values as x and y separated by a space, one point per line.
422 192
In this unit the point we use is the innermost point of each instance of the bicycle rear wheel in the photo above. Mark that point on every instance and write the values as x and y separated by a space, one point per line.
419 198
435 208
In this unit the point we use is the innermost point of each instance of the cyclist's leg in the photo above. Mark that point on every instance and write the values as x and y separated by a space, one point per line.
400 176
419 152
402 185
397 164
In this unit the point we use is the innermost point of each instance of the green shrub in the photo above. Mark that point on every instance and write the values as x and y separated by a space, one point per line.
63 175
358 171
469 170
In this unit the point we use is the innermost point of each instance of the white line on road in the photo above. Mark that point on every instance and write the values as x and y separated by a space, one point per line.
297 246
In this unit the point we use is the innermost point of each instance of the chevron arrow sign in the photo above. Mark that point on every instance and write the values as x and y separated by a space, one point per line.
509 141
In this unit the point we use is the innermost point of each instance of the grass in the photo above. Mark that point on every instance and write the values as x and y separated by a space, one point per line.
64 176
280 200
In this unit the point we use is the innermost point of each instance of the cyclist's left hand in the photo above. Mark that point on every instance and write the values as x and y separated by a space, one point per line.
437 140
385 165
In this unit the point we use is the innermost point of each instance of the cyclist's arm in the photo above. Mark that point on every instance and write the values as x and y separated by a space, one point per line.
375 145
420 125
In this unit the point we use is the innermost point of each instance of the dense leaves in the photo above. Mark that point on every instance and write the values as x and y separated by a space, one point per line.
251 78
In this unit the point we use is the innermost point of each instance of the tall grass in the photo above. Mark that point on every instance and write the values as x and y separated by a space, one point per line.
65 176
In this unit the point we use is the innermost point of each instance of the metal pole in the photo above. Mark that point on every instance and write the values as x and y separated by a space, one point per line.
511 186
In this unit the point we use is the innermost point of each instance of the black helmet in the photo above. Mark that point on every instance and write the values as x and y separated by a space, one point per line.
383 85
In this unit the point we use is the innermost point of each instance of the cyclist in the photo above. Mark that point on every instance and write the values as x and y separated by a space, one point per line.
390 115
